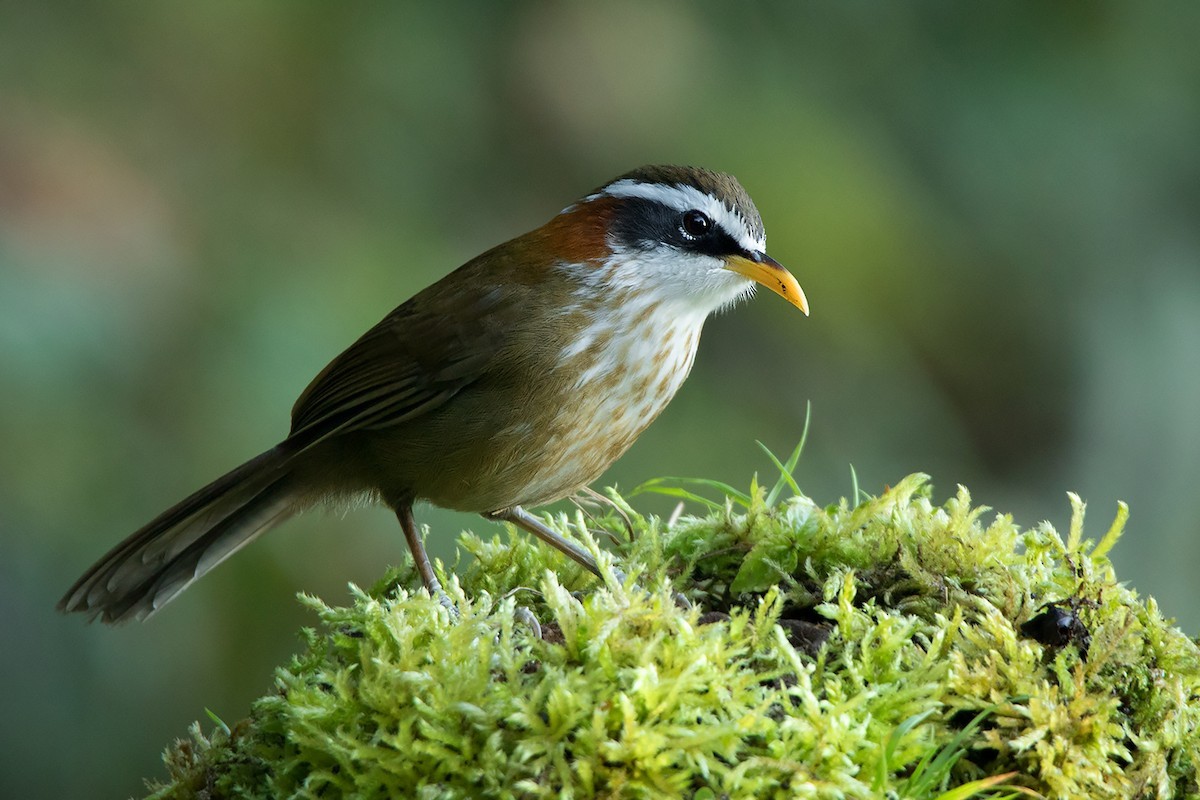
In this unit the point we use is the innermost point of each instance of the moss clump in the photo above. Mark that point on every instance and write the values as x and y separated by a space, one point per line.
845 651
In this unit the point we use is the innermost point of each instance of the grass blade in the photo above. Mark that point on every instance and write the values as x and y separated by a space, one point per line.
669 486
786 469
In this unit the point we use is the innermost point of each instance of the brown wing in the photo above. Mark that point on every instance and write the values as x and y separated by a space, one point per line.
418 357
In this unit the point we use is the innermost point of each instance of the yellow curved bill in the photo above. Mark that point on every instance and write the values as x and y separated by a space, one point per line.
761 268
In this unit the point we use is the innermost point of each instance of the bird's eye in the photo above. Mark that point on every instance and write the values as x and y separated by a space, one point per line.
696 223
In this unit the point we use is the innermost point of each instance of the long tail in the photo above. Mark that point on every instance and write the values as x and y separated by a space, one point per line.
143 573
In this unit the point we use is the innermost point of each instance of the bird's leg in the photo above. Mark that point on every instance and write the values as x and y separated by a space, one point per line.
526 521
417 548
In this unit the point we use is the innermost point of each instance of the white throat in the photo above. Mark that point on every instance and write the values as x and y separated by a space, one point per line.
681 285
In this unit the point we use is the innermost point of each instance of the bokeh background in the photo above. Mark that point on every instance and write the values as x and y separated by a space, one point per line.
994 209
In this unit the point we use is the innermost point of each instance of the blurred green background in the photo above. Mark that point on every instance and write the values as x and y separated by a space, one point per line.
994 209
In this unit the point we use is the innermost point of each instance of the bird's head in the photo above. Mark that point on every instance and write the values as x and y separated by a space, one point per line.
682 233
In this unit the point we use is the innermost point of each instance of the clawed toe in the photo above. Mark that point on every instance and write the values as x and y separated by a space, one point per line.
524 616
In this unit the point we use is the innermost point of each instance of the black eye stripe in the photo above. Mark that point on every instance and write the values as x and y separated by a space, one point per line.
644 224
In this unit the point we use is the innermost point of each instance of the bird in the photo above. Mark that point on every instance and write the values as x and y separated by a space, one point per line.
511 382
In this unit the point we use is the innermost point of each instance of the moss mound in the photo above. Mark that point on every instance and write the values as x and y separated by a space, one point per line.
889 648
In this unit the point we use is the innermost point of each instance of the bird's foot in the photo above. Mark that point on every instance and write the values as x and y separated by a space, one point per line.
444 599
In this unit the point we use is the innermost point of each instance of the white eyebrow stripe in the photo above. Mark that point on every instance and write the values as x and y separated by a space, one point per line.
684 198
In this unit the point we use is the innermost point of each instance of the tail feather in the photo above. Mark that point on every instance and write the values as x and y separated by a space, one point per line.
160 560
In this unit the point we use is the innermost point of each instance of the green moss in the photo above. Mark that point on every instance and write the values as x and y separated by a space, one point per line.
845 651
